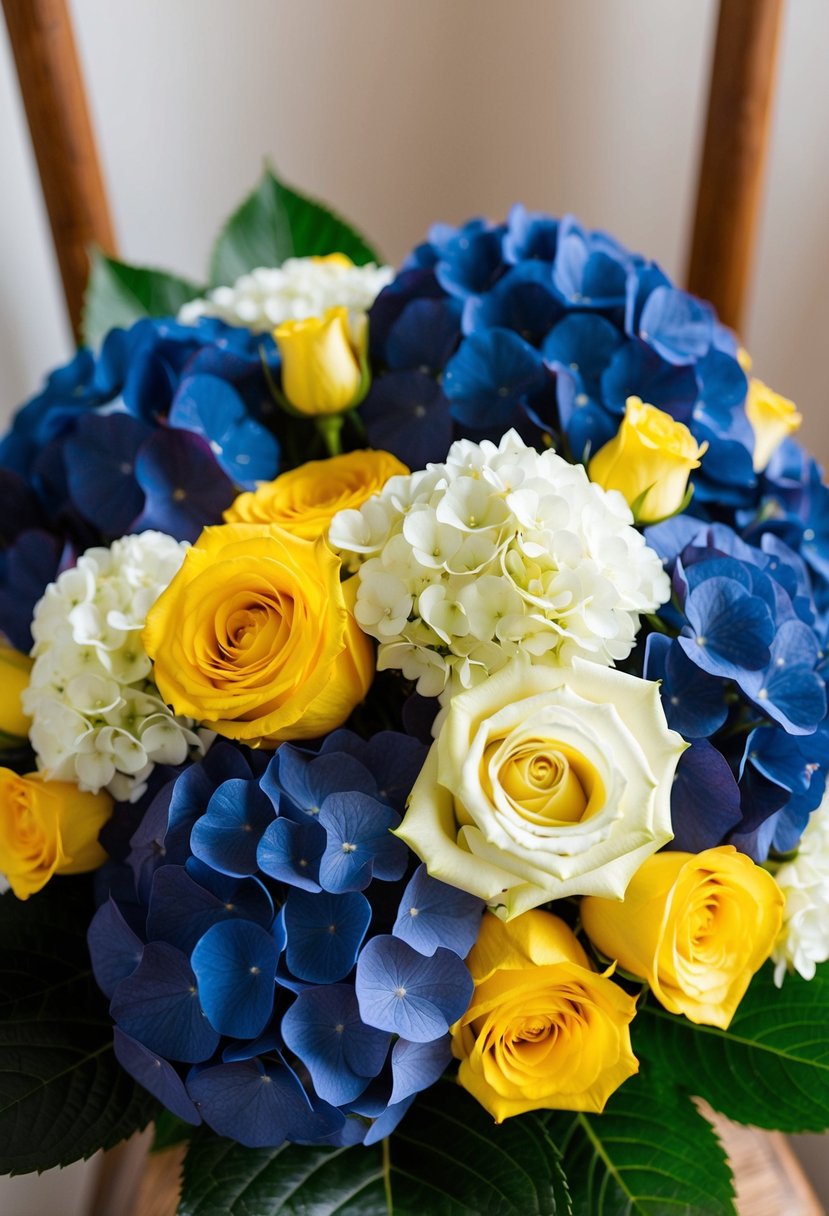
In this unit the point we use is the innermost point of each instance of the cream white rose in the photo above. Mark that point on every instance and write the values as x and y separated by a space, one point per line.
545 783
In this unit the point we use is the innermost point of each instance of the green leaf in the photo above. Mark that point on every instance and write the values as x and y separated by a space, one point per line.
770 1068
170 1131
447 1158
275 223
651 1153
63 1095
118 295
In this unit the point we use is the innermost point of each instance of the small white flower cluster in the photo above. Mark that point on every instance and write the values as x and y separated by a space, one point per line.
97 718
499 551
804 881
299 288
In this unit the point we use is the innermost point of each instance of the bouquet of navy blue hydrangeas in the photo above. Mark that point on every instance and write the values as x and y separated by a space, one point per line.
413 730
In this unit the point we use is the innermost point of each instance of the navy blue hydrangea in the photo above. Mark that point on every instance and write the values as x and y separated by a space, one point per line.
159 430
743 678
278 965
547 326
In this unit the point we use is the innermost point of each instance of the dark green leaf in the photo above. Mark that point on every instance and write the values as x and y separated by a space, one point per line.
770 1068
275 223
447 1158
118 295
651 1153
169 1131
62 1093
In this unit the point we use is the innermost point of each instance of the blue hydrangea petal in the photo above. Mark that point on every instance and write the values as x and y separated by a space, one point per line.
393 760
100 470
192 793
267 1043
424 336
307 778
227 835
260 1107
705 799
323 1028
235 966
324 933
181 909
529 235
407 414
115 950
291 852
156 1075
677 325
693 700
790 761
490 374
731 630
30 565
359 844
635 370
184 487
470 261
212 408
590 268
385 1124
159 1006
794 696
415 997
433 914
147 851
522 301
416 1066
723 383
582 344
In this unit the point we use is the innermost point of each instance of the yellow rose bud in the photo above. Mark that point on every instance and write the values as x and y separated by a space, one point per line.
46 828
305 500
15 669
254 639
648 461
321 362
773 418
696 926
543 1031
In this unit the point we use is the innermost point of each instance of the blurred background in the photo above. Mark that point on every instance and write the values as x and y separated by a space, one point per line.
402 114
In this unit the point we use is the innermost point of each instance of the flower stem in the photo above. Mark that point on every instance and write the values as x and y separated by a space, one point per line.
330 429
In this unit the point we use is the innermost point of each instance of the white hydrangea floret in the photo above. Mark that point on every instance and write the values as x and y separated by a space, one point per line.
299 288
500 551
97 717
803 941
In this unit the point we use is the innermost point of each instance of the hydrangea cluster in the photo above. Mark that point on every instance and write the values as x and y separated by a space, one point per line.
299 288
158 430
804 940
744 682
277 965
97 717
547 326
498 552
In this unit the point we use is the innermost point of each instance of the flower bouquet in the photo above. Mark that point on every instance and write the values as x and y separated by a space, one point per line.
414 730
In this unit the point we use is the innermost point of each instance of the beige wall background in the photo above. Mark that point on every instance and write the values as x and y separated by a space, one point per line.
404 113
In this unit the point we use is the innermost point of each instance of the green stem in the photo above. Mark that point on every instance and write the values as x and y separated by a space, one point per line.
330 429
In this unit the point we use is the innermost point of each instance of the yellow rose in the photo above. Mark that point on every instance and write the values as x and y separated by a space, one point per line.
545 783
696 926
15 669
773 418
305 500
254 639
648 461
46 828
543 1031
322 361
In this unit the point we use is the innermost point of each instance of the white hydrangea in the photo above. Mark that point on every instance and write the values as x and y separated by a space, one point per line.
97 717
500 550
299 288
804 938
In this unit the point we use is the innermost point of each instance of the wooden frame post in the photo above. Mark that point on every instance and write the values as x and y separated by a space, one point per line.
51 83
733 158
